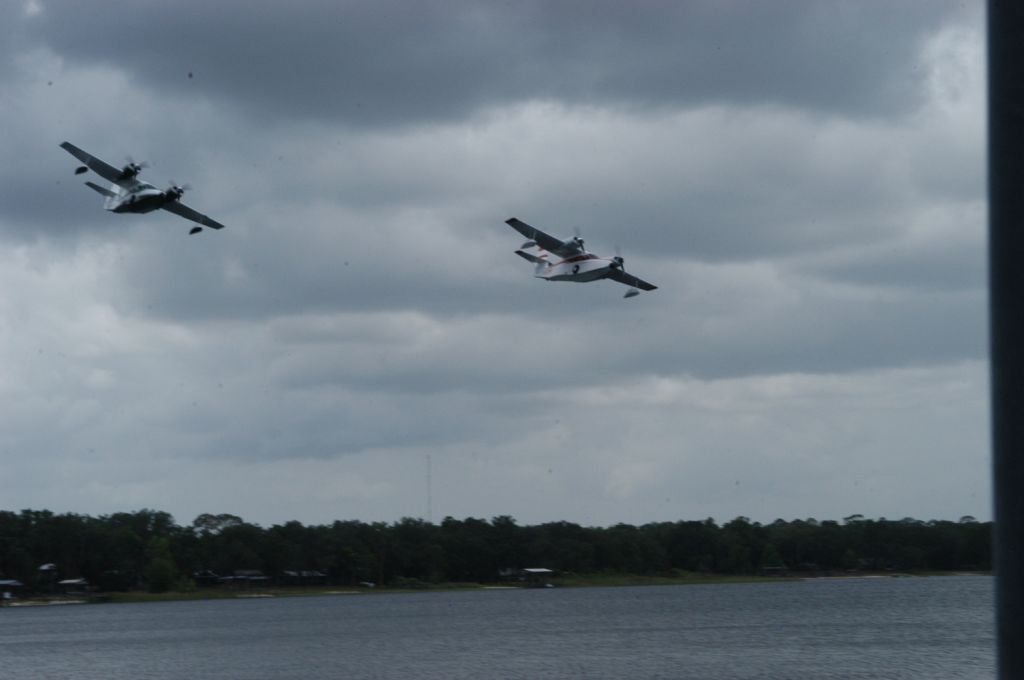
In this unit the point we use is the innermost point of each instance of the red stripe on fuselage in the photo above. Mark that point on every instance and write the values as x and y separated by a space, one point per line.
579 258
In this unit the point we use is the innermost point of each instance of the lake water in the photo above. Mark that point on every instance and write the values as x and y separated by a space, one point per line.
927 628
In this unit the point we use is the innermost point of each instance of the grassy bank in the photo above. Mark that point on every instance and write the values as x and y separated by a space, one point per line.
596 580
612 580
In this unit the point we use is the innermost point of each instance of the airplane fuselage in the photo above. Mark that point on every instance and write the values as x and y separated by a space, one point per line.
581 268
143 197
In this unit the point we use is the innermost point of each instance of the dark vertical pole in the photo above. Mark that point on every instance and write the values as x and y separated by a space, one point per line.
1006 300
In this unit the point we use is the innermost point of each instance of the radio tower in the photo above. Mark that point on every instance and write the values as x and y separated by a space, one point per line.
430 509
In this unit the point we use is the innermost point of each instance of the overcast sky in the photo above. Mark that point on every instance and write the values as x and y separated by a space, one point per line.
804 181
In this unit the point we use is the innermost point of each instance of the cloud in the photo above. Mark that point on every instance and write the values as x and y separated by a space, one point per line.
386 64
805 186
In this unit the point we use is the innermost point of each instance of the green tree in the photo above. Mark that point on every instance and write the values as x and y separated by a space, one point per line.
161 575
771 559
215 524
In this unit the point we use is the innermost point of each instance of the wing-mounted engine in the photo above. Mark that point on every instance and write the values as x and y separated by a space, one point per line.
618 262
131 170
576 243
175 191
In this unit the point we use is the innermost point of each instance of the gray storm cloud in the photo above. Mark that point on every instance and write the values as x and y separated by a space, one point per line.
805 183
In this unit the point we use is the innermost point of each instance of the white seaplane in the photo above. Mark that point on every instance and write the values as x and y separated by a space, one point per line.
128 194
575 263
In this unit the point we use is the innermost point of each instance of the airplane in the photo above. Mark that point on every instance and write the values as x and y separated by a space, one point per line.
128 194
576 263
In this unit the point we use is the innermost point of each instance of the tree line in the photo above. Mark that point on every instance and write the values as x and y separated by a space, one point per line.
147 549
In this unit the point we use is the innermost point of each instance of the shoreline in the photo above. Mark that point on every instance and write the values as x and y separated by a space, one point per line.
568 581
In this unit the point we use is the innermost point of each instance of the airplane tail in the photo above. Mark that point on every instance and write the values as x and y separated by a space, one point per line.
98 189
540 261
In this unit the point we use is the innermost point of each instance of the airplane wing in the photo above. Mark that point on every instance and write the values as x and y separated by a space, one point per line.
179 208
616 274
545 241
104 170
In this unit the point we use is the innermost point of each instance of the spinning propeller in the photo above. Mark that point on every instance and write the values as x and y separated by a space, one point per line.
618 261
176 191
132 168
577 239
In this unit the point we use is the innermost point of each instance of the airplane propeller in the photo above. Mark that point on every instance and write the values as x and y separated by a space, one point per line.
132 168
577 239
176 190
618 261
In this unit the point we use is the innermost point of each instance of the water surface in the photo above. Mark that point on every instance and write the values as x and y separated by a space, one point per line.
928 628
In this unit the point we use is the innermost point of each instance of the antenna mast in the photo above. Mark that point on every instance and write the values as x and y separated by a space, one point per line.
430 501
